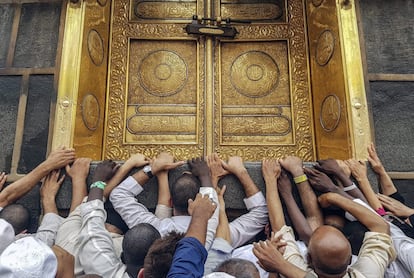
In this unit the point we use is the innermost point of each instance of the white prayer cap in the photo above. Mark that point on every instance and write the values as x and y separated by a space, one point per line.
28 257
6 234
219 275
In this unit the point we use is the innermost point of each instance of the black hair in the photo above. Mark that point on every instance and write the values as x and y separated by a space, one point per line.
135 245
18 216
184 188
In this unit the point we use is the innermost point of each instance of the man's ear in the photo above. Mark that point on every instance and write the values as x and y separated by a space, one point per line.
141 273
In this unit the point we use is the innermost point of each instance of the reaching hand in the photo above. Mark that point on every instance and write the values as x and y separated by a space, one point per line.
201 207
358 168
3 178
268 255
51 184
292 164
284 185
345 169
395 206
374 159
104 171
79 169
271 169
164 161
137 160
319 180
216 167
234 165
328 166
199 167
324 200
60 158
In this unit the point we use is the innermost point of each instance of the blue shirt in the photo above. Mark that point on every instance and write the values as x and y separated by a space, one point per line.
189 258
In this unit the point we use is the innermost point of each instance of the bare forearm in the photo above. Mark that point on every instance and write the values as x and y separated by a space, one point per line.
274 206
19 188
164 194
368 218
223 229
299 221
117 178
310 205
248 184
387 186
78 192
49 205
198 229
369 194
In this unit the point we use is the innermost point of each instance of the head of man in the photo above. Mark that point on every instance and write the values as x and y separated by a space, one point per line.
329 252
158 261
135 245
18 216
238 268
184 188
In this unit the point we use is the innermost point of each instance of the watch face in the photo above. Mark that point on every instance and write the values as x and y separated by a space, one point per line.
147 168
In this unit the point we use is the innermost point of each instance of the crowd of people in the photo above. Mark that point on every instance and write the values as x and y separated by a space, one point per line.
319 221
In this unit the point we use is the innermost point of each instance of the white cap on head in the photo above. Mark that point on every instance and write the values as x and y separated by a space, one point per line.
28 257
6 234
219 275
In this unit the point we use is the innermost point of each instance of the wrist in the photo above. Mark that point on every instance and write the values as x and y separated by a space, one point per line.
297 172
98 184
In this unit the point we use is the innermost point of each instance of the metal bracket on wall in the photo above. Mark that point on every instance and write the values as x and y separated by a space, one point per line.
213 27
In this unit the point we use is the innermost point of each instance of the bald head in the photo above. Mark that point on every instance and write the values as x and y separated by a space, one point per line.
329 252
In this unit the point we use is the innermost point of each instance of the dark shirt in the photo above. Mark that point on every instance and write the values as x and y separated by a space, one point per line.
189 258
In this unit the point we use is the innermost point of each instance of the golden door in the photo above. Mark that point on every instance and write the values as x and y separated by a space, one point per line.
274 87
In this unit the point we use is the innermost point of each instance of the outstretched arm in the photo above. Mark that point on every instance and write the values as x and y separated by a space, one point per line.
236 167
332 167
271 172
216 168
56 160
371 220
313 213
387 186
136 160
78 172
359 171
299 221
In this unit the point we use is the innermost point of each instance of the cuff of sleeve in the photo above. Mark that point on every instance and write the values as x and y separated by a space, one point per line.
210 191
255 200
222 245
163 211
52 218
132 185
93 208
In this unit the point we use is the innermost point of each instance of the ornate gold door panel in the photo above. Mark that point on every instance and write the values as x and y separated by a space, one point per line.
192 95
82 86
262 98
340 111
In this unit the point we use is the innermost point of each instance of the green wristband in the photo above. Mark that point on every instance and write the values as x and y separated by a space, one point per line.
98 184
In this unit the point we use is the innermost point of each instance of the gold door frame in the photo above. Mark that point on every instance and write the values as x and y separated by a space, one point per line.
67 102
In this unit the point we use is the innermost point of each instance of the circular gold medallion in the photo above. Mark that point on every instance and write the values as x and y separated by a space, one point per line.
330 113
90 111
325 47
95 47
162 73
254 74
